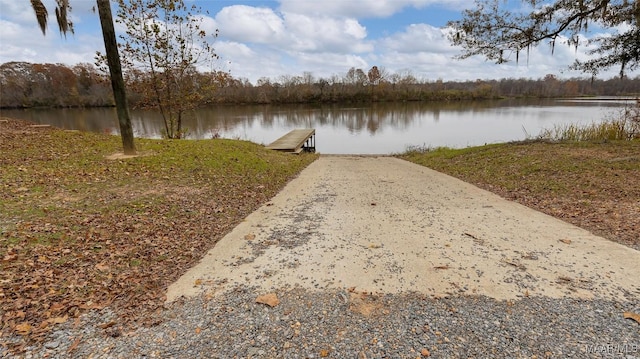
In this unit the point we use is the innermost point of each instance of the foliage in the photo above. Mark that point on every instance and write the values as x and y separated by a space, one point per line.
62 10
29 85
374 75
52 85
80 232
595 185
497 33
163 45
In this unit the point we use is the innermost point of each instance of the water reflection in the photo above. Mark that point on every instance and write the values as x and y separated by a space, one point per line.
376 128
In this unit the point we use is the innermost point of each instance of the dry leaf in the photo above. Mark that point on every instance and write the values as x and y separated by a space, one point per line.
23 329
565 241
270 299
324 353
58 320
198 282
198 330
250 237
107 325
441 267
102 267
632 315
75 344
425 352
90 305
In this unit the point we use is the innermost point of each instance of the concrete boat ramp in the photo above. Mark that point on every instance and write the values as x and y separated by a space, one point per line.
381 224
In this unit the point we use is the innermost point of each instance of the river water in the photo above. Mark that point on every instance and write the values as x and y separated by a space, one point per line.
381 128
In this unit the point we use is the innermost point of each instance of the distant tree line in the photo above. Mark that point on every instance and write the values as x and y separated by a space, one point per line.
24 85
53 85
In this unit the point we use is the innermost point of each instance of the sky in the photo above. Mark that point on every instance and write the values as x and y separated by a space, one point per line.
278 38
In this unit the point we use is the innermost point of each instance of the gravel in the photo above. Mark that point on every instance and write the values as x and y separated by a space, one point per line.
342 238
351 324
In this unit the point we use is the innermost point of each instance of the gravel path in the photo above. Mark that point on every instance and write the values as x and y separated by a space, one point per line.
379 258
340 324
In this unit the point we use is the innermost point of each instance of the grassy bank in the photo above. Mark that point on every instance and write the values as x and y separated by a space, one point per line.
80 231
595 185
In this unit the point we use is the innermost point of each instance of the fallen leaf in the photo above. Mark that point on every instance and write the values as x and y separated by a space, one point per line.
324 353
107 325
58 320
270 299
102 267
23 328
198 282
441 267
250 237
565 241
90 305
632 315
375 246
198 330
75 344
425 352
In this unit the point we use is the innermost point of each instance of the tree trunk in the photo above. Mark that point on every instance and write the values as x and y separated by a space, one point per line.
117 82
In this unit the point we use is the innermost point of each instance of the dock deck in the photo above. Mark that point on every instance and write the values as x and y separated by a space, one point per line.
296 141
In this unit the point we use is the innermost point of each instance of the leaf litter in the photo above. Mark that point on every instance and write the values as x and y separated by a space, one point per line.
79 232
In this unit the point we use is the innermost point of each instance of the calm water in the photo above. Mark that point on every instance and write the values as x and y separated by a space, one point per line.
360 129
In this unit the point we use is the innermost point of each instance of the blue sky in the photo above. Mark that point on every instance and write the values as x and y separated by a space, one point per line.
276 39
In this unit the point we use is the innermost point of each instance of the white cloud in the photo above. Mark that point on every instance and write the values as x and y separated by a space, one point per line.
291 31
321 37
417 38
18 11
327 64
230 49
319 34
250 24
361 8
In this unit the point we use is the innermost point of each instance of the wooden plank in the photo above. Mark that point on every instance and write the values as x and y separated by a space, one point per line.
292 141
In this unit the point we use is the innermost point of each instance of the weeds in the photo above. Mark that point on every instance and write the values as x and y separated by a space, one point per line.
611 130
624 127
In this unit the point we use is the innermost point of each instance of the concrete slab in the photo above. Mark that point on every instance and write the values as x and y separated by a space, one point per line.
381 224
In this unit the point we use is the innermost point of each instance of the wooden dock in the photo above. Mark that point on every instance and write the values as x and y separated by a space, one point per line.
296 141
